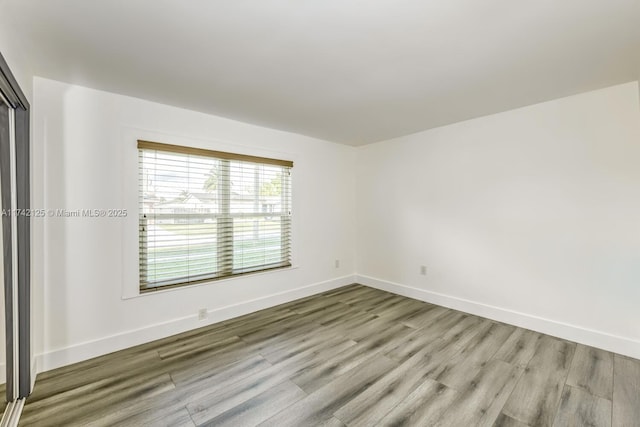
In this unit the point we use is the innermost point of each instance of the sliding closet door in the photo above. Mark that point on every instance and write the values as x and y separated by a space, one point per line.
3 348
23 249
7 249
16 234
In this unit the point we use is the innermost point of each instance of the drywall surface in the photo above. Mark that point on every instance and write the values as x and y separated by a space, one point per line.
90 162
528 216
531 216
13 50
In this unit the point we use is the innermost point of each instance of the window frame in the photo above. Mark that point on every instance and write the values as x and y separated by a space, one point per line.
223 230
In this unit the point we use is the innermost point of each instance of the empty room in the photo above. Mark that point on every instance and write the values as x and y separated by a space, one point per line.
320 213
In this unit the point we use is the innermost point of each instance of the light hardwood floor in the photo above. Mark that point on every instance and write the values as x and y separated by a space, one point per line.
353 356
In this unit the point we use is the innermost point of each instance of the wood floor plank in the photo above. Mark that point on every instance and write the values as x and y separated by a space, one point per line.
519 347
131 412
285 346
208 346
388 301
368 302
266 339
338 310
314 355
536 397
375 328
319 407
422 407
363 293
206 371
481 401
349 321
426 317
157 417
398 311
592 370
401 312
626 392
552 353
463 329
206 335
259 408
112 391
581 408
332 422
506 421
457 347
327 312
355 295
205 404
316 377
255 325
64 380
410 345
141 409
208 362
479 350
212 404
435 357
376 401
276 331
415 341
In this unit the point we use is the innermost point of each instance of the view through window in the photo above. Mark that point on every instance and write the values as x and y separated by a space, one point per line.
207 214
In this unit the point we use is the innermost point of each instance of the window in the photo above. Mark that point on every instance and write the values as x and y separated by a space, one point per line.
208 215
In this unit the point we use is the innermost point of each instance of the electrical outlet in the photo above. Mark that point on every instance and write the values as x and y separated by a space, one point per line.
423 270
337 263
202 314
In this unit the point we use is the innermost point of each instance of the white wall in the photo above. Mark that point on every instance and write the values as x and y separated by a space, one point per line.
90 161
528 216
12 49
531 216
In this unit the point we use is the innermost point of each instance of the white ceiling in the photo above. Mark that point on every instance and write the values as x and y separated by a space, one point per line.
349 71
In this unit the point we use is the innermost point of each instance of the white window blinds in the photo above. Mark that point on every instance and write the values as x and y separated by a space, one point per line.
206 214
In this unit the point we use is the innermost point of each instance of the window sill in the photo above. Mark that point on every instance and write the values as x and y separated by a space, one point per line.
126 295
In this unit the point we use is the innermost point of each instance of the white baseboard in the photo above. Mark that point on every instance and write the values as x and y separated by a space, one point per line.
594 338
34 372
87 350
